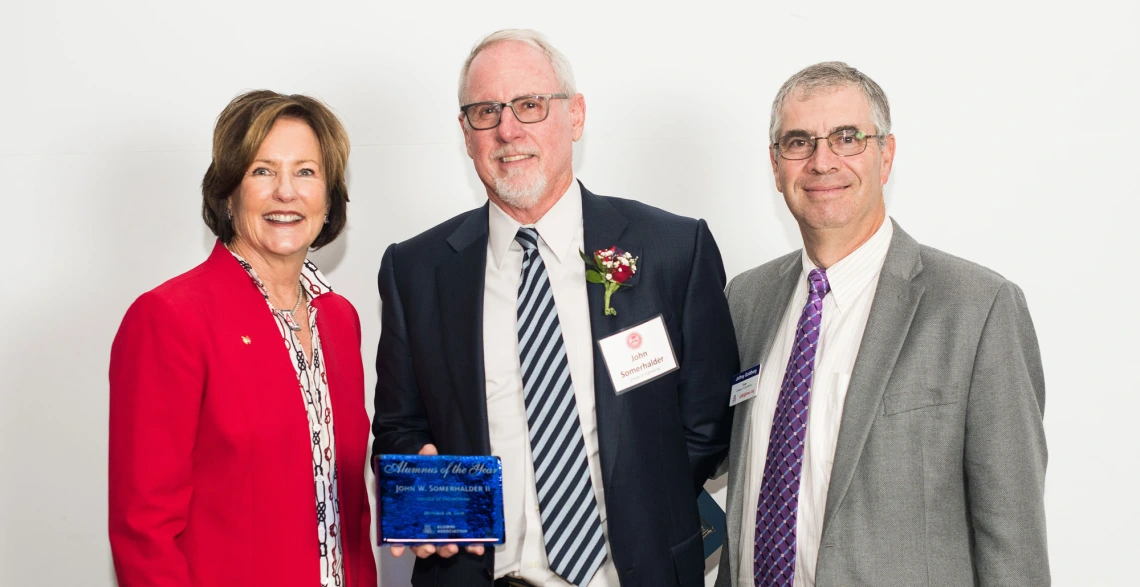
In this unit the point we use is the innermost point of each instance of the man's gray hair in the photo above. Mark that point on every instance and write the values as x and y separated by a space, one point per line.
831 75
535 39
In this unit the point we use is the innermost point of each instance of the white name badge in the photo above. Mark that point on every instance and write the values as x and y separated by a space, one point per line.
638 355
744 385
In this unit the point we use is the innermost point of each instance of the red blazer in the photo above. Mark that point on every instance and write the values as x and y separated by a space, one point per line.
211 476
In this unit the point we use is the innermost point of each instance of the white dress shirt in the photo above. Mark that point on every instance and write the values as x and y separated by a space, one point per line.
846 307
560 238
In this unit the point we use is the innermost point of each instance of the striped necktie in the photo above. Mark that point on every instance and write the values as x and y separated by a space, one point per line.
571 526
774 560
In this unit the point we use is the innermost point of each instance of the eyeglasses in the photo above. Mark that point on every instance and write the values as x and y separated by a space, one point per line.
528 109
845 143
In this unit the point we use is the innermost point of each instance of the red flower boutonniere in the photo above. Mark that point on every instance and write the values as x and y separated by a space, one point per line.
612 268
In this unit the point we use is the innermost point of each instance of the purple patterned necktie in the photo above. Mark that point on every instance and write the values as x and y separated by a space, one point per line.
774 555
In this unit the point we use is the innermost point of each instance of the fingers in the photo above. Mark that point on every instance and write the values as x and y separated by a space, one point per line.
428 449
426 550
444 551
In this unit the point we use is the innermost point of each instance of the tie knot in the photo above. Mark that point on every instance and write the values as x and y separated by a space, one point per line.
817 282
527 237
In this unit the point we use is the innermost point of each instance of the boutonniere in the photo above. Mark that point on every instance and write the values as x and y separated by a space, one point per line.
612 268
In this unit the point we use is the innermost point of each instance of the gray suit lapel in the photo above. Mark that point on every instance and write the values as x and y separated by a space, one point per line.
757 314
757 309
460 280
892 310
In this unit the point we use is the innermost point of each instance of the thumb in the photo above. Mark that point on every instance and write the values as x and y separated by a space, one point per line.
428 449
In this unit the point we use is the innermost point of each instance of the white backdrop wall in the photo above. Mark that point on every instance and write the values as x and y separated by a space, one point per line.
1017 147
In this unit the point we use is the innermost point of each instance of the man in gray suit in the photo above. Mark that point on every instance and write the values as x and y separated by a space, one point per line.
894 434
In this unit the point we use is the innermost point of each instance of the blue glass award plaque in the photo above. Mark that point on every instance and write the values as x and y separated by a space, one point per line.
439 499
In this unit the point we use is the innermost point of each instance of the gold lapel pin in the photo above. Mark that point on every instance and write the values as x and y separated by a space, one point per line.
245 339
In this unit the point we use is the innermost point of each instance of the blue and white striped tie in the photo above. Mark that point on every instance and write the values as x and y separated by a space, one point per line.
571 526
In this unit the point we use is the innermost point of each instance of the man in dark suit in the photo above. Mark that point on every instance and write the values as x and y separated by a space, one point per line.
490 347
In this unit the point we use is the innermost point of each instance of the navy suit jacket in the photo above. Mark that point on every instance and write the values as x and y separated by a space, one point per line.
658 443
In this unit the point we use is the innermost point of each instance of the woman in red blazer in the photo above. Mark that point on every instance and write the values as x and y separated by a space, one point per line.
237 426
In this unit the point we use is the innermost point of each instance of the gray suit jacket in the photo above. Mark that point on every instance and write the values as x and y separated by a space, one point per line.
939 470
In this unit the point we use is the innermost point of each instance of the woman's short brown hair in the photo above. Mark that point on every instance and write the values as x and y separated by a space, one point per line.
239 132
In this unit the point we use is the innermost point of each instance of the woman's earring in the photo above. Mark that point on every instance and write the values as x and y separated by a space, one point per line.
326 218
229 215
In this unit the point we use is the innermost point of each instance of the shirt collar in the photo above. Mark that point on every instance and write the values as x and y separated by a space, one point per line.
851 275
312 279
557 228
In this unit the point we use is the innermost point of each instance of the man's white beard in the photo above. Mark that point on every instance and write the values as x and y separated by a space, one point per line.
521 191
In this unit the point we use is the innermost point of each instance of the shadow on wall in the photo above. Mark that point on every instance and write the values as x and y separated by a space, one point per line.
478 190
889 189
580 149
329 257
791 229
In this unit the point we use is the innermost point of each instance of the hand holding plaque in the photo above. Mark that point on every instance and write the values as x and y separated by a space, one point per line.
434 503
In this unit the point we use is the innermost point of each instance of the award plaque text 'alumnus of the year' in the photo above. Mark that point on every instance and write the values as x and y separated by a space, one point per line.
439 498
